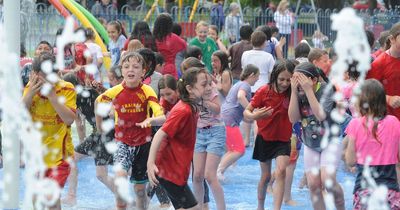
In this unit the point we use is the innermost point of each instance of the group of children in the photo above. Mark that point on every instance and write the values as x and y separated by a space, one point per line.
171 117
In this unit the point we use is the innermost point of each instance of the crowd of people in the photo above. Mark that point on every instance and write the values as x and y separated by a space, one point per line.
178 106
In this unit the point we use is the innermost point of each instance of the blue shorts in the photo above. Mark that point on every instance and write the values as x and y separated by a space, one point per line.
211 140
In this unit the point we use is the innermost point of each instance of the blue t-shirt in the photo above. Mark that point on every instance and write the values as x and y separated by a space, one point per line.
232 110
115 49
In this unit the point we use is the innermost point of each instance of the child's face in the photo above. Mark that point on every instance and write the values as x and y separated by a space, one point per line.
42 48
197 90
254 78
208 88
283 81
112 32
216 64
324 63
212 34
159 68
202 32
169 95
112 79
133 72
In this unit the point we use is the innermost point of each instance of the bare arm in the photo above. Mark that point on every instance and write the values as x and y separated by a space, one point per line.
226 82
221 46
35 83
252 114
307 85
294 110
350 155
242 98
152 169
65 113
214 105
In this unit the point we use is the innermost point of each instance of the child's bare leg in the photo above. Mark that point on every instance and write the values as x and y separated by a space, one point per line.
263 183
141 201
102 176
211 177
80 126
280 174
287 196
70 198
246 132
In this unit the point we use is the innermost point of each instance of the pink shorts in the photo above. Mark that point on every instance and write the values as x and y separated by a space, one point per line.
234 140
393 199
59 173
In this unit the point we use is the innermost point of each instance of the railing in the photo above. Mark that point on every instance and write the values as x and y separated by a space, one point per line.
40 22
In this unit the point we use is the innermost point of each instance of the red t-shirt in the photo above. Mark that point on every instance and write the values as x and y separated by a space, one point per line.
377 53
386 69
176 151
168 48
276 127
166 105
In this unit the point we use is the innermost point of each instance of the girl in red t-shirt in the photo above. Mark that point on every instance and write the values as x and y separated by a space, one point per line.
269 107
169 96
172 148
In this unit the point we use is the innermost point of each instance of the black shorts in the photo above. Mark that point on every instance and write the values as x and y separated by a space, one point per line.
135 158
268 150
94 145
180 196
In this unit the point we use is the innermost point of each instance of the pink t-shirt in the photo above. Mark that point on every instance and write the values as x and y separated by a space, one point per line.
347 92
388 133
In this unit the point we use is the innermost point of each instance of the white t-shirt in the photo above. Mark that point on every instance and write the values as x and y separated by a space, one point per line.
265 63
95 52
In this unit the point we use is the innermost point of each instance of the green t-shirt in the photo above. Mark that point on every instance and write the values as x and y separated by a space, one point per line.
207 48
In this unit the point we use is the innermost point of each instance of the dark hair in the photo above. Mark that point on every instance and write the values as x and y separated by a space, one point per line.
127 56
302 50
352 71
118 25
214 27
274 29
258 38
167 81
191 62
245 32
22 49
316 54
193 51
150 60
141 31
189 77
248 70
308 69
159 58
176 29
38 60
46 43
89 33
373 101
116 72
383 37
223 57
266 30
393 32
370 38
72 78
279 67
162 26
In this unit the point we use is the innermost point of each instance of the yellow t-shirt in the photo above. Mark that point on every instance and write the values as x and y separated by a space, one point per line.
56 134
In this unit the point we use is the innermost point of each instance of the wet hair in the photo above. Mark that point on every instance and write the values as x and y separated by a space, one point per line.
116 72
370 38
302 50
46 43
248 70
382 40
193 51
191 62
176 29
352 71
159 58
189 77
223 57
279 67
150 60
214 27
372 101
89 34
245 32
129 55
40 59
167 81
266 30
316 54
258 38
308 69
162 26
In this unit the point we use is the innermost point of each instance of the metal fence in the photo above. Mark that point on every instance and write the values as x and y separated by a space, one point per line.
40 22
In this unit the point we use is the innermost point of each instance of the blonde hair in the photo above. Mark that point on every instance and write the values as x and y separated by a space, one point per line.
282 6
202 23
134 45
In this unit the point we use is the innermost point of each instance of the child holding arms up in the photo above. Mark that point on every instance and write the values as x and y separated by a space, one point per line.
375 134
269 107
172 148
56 119
132 102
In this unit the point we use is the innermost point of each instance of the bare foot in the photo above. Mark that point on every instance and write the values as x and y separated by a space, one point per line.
291 203
69 200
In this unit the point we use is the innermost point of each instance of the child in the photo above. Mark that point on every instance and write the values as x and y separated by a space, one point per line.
221 73
374 142
95 52
318 39
168 43
117 40
232 114
321 60
151 77
172 148
206 44
209 147
269 107
56 119
132 102
114 76
213 34
169 96
159 63
306 106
